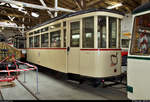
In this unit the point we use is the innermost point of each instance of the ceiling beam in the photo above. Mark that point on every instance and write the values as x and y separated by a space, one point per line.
80 3
23 4
94 2
49 12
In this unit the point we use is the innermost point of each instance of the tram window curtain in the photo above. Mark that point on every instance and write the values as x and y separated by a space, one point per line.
101 32
37 41
30 42
140 44
112 32
55 39
75 34
88 32
44 40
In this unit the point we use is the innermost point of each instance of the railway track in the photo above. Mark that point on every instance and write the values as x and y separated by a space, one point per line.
28 90
1 96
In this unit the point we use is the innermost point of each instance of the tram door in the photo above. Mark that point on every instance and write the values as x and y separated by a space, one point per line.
73 51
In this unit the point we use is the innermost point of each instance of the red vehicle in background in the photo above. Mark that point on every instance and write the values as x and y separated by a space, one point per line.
124 53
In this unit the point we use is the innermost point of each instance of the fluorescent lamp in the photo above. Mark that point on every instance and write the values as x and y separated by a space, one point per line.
114 6
34 14
5 24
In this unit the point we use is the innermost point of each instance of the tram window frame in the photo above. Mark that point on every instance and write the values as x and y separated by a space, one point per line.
102 31
74 34
88 35
140 31
45 29
112 41
37 41
44 40
56 44
30 42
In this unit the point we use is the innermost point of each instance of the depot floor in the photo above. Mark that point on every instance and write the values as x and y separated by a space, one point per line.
53 88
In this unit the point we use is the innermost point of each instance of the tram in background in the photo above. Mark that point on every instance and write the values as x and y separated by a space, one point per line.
124 53
19 42
125 39
84 43
139 55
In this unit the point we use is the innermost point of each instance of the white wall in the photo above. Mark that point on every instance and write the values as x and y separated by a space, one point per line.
126 24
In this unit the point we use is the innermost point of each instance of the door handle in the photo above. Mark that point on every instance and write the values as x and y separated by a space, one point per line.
68 49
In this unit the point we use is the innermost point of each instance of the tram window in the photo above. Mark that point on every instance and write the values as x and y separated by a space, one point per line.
88 32
141 35
44 29
64 24
112 32
64 37
125 43
37 41
101 32
36 32
44 40
31 33
30 42
75 34
55 26
55 39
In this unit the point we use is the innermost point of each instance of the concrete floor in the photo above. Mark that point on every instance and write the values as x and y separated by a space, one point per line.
52 88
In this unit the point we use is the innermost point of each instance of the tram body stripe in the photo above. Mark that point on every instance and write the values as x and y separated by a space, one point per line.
100 49
48 48
138 58
80 49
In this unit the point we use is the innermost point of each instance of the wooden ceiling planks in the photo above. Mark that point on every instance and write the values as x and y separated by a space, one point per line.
128 6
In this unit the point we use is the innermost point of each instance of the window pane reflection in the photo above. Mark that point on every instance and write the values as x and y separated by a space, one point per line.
88 32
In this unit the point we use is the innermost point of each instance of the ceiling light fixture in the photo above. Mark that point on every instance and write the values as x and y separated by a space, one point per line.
34 14
114 6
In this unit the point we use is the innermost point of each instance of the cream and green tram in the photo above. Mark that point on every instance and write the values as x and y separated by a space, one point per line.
138 70
85 43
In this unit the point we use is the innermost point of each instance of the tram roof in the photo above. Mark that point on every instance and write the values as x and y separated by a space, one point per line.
142 8
77 13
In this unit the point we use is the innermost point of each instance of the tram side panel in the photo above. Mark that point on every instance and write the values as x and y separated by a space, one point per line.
31 56
50 58
138 79
110 62
87 63
99 63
